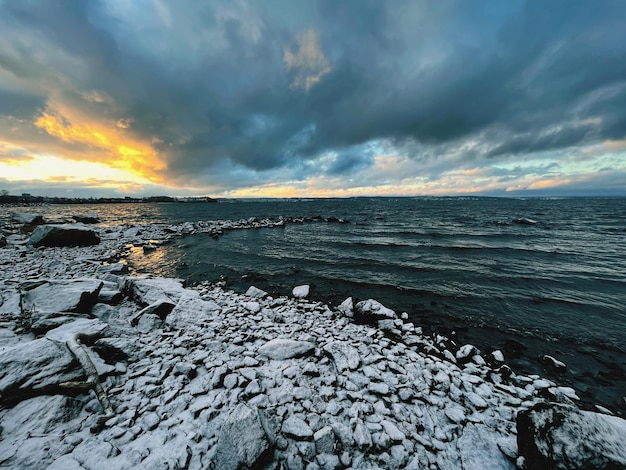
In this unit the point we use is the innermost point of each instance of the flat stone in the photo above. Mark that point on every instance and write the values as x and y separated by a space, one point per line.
147 291
34 366
379 388
71 295
296 428
286 348
455 413
26 218
191 310
113 268
476 400
90 328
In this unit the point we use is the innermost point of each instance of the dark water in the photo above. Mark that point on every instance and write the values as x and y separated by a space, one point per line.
456 265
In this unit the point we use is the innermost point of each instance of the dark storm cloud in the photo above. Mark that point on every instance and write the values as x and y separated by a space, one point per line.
349 162
214 82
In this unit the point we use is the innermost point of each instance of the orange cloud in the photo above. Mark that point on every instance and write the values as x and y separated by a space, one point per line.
615 144
549 183
109 143
308 62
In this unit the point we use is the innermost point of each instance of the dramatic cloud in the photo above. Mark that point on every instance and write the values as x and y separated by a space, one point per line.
315 98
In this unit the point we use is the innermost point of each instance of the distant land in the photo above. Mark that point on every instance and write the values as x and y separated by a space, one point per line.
26 198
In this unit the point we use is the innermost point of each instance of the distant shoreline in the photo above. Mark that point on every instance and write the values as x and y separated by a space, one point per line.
33 200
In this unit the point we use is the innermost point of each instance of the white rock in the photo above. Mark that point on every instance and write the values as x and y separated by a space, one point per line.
301 292
255 292
244 437
346 307
297 428
497 355
374 310
191 310
286 348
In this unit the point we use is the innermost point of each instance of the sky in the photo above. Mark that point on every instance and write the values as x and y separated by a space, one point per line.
313 98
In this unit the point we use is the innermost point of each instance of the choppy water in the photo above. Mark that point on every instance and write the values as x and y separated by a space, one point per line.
461 264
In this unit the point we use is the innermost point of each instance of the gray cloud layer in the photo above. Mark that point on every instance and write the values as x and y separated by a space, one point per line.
214 84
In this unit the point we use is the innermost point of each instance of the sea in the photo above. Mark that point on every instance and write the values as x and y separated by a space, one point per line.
527 276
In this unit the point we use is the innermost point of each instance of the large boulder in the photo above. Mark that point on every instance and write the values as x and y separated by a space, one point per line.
551 435
70 295
3 241
57 302
244 439
33 367
63 235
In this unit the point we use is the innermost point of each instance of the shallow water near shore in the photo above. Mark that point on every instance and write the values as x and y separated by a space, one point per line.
476 269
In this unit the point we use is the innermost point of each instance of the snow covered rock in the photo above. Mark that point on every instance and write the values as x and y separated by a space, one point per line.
244 439
190 310
87 328
551 435
285 348
255 292
35 366
63 235
347 307
26 218
479 449
297 428
71 295
345 357
373 310
147 290
56 302
301 292
554 364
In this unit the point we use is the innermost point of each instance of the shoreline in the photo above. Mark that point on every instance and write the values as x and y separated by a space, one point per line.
185 370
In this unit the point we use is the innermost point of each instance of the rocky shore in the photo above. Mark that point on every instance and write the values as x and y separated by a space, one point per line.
103 369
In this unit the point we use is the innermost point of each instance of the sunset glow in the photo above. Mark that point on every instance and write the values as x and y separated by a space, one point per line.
106 145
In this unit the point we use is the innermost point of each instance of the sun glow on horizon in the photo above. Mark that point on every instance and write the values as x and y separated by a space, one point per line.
48 168
105 143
